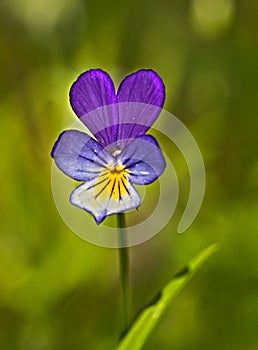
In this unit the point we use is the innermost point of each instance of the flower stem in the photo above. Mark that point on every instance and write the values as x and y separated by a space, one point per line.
124 273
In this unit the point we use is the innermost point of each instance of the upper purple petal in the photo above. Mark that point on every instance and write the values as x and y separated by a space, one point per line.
93 99
140 98
112 118
143 86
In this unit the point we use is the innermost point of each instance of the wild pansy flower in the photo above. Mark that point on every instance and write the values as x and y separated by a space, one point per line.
122 154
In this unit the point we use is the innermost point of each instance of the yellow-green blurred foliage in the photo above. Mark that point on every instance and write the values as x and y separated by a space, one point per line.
60 292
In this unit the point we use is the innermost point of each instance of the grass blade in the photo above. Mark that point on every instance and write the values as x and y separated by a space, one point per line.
150 316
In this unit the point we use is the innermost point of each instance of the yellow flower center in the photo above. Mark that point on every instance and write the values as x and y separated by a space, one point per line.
112 183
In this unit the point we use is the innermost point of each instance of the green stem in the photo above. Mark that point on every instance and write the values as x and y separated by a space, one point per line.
124 272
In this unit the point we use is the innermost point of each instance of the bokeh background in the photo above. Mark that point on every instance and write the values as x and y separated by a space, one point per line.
60 292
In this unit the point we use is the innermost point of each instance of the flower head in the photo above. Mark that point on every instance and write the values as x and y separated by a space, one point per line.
122 154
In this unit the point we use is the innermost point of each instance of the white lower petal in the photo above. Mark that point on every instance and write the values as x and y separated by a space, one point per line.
96 197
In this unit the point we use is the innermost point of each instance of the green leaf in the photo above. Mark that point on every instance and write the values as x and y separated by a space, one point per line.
151 315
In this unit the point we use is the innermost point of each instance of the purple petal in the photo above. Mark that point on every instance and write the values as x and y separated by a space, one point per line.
79 156
141 97
143 159
144 86
93 99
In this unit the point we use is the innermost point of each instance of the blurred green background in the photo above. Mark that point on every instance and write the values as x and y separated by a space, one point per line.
60 292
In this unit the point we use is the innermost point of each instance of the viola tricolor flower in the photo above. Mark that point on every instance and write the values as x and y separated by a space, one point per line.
122 154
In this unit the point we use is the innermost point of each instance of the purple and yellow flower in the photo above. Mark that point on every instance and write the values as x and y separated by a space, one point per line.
122 154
